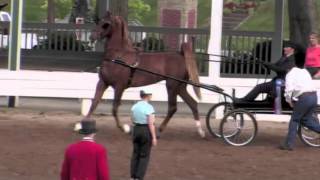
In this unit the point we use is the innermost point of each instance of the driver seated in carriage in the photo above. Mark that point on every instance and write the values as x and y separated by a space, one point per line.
281 68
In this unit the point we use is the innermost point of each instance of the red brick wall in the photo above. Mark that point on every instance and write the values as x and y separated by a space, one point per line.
171 18
192 18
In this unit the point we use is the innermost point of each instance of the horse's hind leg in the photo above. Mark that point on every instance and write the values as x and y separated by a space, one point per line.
172 104
118 91
193 105
100 88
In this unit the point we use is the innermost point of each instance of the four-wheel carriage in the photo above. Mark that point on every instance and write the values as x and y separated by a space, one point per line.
236 123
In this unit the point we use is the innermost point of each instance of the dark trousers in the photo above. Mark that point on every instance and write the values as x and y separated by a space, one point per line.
304 114
142 143
267 87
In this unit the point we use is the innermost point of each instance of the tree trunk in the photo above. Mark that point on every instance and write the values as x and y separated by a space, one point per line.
314 15
81 9
51 10
302 20
119 8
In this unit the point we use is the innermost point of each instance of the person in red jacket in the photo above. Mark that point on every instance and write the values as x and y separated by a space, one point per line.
86 159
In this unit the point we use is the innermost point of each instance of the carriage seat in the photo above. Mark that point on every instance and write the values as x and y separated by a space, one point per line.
260 103
267 103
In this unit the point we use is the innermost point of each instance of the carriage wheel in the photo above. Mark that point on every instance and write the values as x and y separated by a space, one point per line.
309 137
215 116
238 127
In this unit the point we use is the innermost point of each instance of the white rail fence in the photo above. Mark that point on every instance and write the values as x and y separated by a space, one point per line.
81 85
76 85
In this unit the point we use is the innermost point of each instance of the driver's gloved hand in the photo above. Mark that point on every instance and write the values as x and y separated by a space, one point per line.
266 64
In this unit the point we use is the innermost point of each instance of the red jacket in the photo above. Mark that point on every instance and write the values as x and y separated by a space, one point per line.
85 160
313 57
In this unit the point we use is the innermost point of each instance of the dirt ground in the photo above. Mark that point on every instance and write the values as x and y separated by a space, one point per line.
33 142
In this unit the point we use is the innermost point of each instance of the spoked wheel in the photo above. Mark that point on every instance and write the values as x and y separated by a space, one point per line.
238 127
308 136
215 116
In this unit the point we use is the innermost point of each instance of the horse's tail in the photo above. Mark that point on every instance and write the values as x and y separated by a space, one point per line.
191 65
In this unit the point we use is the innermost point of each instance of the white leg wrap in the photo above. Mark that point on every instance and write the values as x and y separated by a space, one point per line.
85 106
198 123
200 130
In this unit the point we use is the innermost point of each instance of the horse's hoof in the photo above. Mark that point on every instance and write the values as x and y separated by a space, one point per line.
126 128
201 133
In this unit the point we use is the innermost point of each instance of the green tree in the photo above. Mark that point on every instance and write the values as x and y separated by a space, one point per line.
204 13
303 18
138 9
33 11
62 7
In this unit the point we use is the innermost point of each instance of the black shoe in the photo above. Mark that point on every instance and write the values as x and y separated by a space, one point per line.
285 147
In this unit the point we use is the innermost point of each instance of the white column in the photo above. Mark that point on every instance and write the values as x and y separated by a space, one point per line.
215 39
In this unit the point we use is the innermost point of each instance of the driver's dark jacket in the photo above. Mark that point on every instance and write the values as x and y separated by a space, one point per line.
282 66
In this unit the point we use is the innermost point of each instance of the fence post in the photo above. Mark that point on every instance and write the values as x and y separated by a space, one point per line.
15 42
215 41
215 38
278 31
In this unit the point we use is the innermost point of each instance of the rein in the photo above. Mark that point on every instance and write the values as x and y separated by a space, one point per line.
213 88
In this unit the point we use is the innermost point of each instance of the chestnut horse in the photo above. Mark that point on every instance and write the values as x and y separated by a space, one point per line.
181 65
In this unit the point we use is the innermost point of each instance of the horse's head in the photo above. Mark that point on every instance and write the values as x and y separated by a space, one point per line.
103 28
111 27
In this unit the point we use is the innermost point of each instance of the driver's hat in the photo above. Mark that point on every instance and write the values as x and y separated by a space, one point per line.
290 44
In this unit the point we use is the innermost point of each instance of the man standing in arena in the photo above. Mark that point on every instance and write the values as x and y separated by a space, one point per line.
85 159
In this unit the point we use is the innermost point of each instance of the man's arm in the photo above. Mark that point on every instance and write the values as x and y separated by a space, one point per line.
289 87
151 119
281 67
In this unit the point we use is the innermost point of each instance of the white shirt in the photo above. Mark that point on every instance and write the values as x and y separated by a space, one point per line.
298 81
86 138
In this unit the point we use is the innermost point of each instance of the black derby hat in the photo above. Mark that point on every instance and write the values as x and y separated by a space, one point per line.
88 127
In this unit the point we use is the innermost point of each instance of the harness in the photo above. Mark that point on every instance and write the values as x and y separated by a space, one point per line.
132 67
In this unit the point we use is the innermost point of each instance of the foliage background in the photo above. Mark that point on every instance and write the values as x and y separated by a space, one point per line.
146 12
143 10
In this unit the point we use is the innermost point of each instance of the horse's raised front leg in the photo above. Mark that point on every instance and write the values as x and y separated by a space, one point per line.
193 105
118 91
172 104
100 88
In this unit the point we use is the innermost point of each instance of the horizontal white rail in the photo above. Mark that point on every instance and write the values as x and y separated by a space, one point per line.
81 85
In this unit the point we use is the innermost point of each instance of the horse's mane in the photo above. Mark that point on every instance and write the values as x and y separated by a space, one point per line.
120 35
